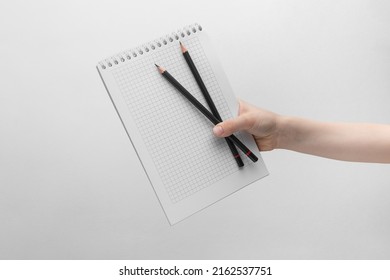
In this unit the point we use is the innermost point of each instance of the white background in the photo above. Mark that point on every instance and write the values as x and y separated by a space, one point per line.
72 187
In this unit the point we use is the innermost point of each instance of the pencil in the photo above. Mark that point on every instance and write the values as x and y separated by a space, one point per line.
204 111
209 101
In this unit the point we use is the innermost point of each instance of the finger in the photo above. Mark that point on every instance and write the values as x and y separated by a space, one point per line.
231 126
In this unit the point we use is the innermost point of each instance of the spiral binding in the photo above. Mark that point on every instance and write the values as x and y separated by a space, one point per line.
133 53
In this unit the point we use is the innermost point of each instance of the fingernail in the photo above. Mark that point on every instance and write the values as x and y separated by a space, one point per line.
218 130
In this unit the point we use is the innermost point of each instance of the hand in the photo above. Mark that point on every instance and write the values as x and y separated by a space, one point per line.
363 142
262 124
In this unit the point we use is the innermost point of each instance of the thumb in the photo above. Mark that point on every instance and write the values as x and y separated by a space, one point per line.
228 127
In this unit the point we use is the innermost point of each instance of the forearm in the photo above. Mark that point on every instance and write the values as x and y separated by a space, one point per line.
342 141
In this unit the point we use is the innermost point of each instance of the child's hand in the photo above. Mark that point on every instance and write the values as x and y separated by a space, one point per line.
343 141
262 124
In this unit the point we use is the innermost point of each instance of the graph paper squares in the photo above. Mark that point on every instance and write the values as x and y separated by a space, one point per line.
178 137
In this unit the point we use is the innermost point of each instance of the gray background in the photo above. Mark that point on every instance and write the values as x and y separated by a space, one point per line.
71 185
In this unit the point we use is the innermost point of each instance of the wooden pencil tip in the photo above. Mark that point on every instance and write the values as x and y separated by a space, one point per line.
160 68
183 48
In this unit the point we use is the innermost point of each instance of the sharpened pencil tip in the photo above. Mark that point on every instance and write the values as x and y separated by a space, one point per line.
183 48
160 68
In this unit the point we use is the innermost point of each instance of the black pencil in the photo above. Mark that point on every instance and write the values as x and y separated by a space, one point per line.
209 100
204 111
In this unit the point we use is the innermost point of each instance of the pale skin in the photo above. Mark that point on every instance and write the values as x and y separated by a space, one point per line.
360 142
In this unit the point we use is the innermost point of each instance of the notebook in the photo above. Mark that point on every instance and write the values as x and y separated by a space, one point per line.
188 167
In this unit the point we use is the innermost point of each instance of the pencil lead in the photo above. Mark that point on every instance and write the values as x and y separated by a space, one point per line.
183 48
160 68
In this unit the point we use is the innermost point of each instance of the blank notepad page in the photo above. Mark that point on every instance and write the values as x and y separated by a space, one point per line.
187 165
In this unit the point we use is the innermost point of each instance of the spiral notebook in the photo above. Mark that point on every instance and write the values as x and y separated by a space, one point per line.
188 167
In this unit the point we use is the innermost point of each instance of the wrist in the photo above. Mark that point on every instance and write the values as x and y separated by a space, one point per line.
283 132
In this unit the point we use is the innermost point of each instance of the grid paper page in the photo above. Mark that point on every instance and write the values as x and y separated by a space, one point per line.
187 165
179 138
